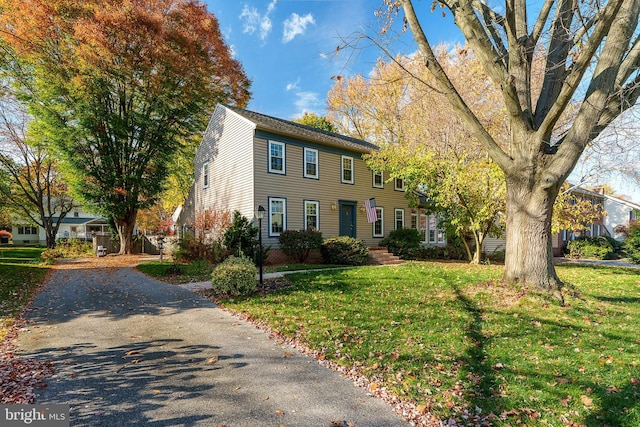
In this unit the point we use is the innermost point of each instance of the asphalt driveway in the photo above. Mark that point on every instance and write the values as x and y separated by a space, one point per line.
130 350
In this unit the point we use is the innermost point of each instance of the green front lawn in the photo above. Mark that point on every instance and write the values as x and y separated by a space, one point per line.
20 276
459 344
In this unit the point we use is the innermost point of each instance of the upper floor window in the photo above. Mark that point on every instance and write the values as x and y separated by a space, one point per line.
347 169
378 226
399 218
311 212
310 163
378 180
276 157
205 175
277 216
398 184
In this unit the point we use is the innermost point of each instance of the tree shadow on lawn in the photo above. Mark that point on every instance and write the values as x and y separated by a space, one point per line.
607 404
158 382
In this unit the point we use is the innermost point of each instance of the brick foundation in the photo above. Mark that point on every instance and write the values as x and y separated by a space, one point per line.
277 257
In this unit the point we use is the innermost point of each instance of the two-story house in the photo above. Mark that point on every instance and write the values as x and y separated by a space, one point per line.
302 176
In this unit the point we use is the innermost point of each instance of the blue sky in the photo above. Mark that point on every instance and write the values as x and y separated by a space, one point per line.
287 47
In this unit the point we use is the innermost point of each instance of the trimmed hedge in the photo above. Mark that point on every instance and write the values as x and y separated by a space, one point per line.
632 243
299 244
591 247
403 242
344 250
234 276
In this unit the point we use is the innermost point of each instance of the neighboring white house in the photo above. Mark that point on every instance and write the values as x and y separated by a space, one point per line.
75 225
620 212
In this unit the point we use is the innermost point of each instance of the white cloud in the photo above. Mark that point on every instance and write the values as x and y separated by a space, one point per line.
307 102
292 86
253 20
296 25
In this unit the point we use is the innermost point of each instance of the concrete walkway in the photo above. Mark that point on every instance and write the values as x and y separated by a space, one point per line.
130 350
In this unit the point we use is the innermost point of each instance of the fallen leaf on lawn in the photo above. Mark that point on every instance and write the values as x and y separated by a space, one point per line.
565 401
635 381
586 400
374 386
422 409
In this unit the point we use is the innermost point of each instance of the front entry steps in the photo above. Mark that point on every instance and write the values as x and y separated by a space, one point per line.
381 256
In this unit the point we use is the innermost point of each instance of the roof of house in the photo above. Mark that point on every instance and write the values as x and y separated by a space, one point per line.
631 205
76 220
298 130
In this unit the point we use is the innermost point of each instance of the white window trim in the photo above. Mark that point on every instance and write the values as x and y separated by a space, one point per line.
304 163
395 184
395 217
206 178
312 202
342 180
284 156
284 214
373 180
380 212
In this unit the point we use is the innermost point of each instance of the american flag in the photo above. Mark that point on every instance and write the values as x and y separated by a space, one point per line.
370 206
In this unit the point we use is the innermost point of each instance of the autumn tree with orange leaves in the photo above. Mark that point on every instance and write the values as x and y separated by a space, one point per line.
115 86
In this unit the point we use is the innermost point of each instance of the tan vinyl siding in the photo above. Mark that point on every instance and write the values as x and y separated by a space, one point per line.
230 166
326 190
491 245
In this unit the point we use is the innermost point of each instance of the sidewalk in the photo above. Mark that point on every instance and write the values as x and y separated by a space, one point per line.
132 350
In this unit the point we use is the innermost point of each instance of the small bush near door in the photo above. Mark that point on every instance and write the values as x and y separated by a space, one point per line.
344 250
299 244
403 242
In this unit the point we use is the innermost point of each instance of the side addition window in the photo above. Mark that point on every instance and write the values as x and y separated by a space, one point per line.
347 170
399 217
378 226
310 163
276 157
277 216
378 180
311 212
205 175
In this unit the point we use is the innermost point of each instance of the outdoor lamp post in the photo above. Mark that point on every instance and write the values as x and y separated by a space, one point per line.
260 214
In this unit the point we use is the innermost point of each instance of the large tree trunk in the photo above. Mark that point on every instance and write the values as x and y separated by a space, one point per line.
529 256
125 226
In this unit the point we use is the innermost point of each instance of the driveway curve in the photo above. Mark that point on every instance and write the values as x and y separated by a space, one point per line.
130 350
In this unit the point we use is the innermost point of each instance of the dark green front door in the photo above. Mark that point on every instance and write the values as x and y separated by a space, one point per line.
348 219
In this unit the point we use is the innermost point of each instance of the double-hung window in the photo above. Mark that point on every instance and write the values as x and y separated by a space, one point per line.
311 215
378 180
399 217
276 157
398 184
277 216
310 163
205 175
346 170
378 226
